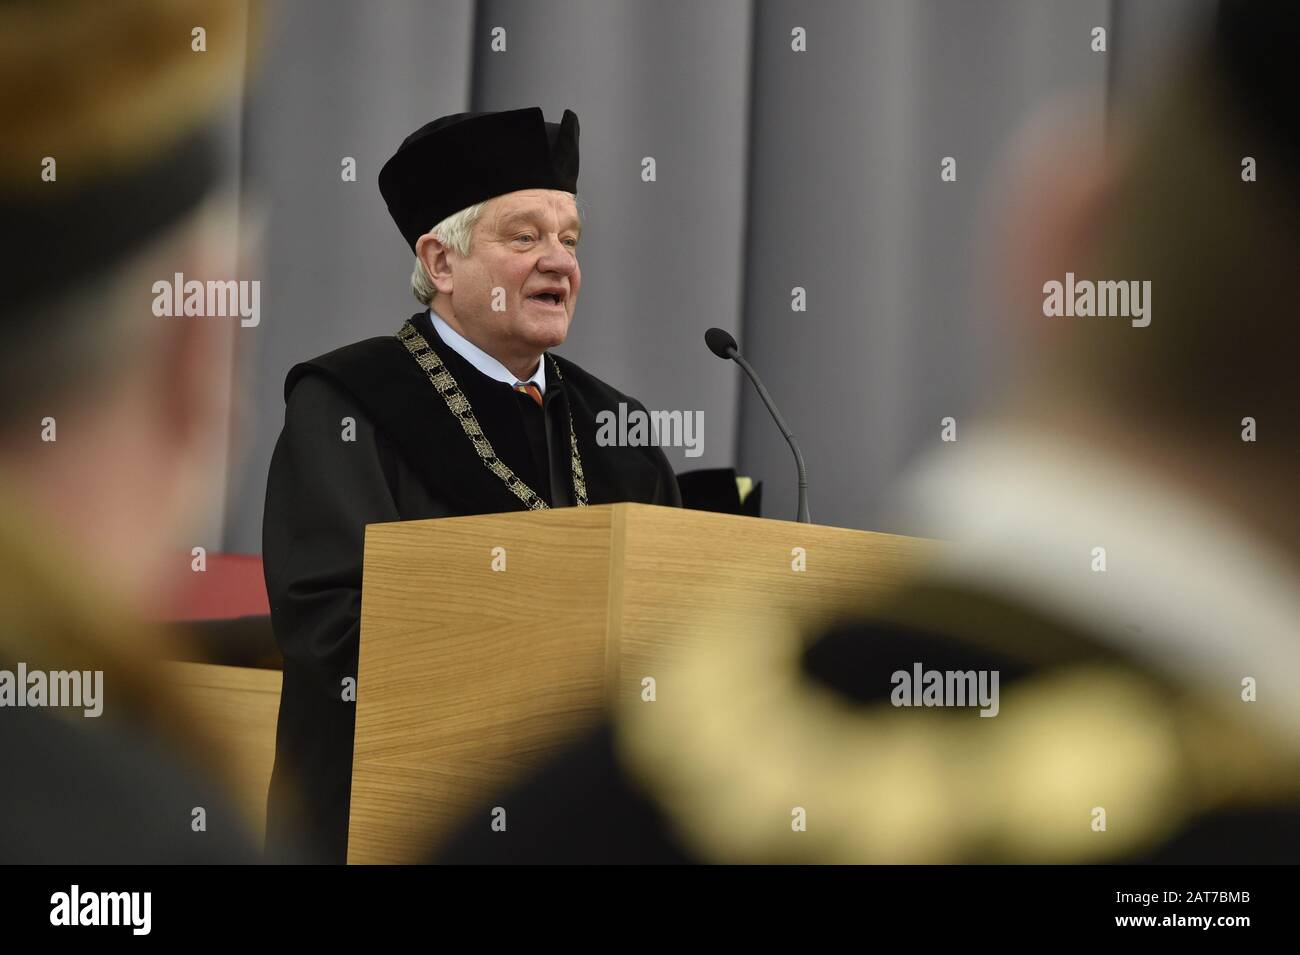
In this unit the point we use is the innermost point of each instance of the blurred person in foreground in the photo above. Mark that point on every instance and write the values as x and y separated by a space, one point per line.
1148 705
111 433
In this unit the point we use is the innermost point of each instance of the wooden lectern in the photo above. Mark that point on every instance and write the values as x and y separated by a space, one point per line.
488 642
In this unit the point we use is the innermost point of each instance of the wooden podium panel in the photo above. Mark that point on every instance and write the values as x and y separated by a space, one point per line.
468 675
238 708
681 567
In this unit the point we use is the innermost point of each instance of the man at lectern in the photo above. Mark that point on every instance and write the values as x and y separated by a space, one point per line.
463 411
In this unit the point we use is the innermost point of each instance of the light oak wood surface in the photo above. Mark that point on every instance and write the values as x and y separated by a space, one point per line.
469 676
238 708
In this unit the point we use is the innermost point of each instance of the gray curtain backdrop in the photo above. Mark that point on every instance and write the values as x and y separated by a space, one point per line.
775 169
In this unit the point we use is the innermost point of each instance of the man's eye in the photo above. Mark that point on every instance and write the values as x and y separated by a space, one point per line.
571 243
525 238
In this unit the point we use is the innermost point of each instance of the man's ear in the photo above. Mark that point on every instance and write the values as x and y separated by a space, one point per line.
1057 190
434 255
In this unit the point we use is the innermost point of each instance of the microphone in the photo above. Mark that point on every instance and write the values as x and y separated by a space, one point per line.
724 346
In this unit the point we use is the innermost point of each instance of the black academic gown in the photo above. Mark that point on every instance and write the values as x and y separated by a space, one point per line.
104 792
410 459
587 806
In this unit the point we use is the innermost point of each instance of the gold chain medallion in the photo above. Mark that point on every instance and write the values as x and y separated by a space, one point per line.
441 378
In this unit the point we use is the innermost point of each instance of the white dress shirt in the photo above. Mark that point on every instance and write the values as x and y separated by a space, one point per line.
481 359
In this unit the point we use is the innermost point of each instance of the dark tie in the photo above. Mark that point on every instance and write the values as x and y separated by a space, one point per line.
531 390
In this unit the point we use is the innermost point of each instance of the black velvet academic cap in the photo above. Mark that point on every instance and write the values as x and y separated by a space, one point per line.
463 159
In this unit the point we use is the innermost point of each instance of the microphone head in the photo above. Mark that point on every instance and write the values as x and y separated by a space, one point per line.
721 343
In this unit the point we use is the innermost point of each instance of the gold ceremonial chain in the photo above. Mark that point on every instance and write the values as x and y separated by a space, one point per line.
458 404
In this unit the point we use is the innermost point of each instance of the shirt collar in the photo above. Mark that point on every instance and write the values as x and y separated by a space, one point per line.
481 359
1193 592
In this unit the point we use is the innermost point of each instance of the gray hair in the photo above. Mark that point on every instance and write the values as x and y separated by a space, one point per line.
455 232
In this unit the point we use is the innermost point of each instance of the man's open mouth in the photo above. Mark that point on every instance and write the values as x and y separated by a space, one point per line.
549 298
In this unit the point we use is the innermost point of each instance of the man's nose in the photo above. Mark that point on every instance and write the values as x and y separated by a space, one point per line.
557 257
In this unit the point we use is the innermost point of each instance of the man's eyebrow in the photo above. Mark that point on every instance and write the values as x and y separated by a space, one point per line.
528 218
